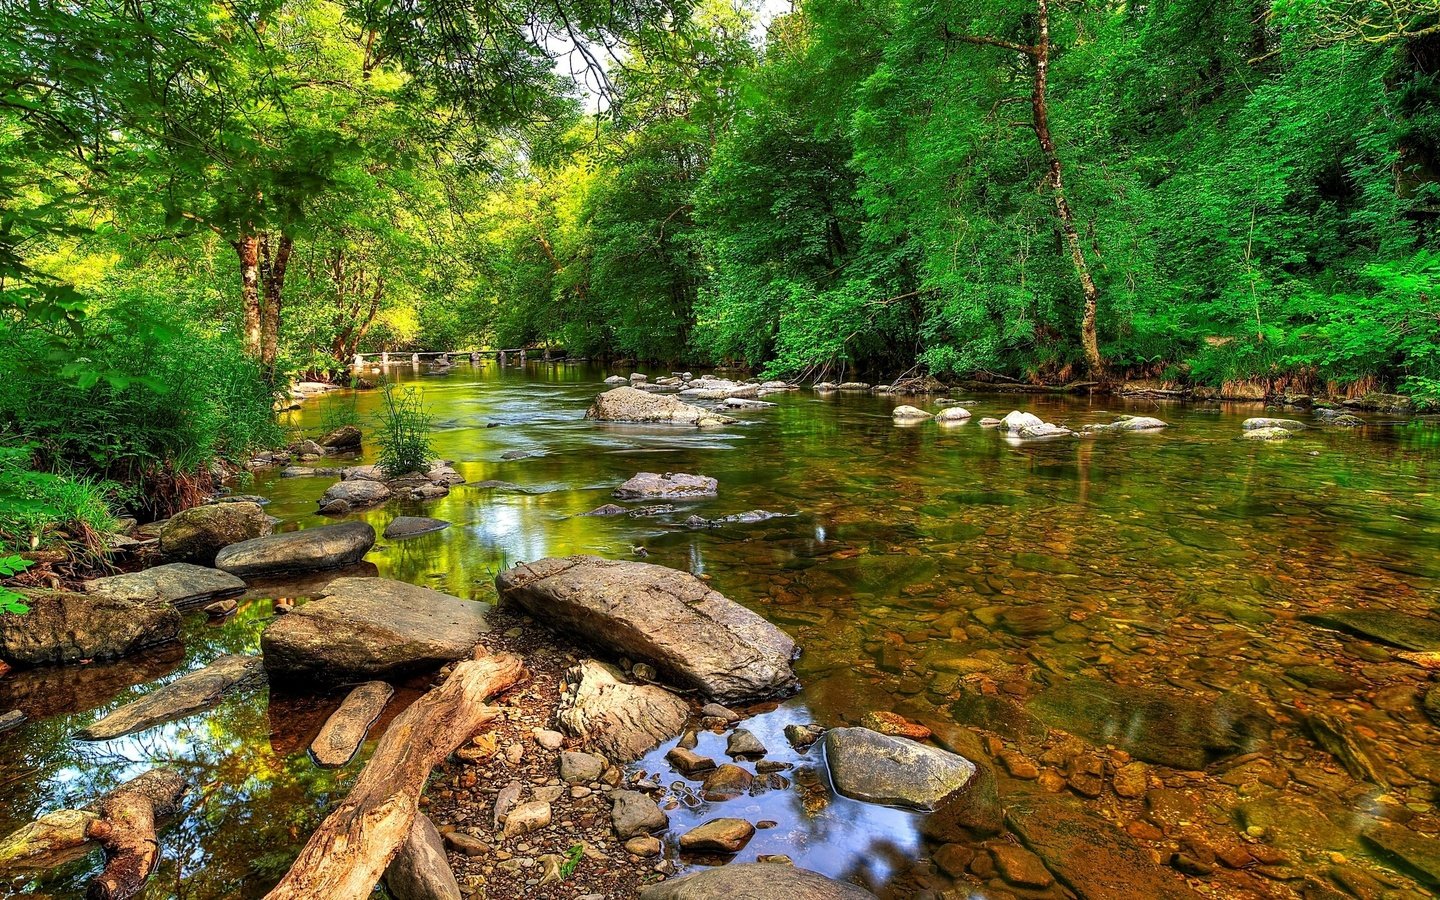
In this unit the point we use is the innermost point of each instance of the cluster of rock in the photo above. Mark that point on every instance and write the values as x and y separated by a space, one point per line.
342 441
361 487
626 404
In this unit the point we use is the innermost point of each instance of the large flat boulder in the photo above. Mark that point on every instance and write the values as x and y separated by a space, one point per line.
755 881
190 693
878 768
626 404
1153 724
325 547
184 585
371 628
62 627
694 636
196 535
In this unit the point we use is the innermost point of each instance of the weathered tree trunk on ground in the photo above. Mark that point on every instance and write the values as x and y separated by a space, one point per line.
123 823
347 854
1039 54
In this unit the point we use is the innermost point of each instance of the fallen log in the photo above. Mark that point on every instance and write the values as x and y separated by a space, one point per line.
126 829
123 822
347 854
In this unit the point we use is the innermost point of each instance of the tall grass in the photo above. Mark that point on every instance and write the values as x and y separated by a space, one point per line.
404 431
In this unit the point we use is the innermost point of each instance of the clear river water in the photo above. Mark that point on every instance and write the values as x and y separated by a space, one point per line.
937 571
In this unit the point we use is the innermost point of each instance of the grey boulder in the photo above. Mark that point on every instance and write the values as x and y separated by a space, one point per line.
413 526
196 535
371 628
670 486
324 547
181 584
694 636
63 627
877 768
626 404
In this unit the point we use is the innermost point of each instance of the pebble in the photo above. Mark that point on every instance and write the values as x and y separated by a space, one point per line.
550 740
727 835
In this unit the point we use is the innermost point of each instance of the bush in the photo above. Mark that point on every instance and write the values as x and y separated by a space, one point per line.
132 400
40 509
404 431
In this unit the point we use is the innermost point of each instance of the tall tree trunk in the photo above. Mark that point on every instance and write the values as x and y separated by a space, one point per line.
248 249
272 270
1041 112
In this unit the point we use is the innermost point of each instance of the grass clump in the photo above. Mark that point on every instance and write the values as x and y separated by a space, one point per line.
403 431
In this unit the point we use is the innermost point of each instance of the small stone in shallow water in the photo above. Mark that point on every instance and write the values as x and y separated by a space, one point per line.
744 743
689 762
1019 866
716 711
727 781
895 725
718 836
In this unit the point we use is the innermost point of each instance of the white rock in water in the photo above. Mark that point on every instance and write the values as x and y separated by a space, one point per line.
909 414
1017 420
1043 430
1261 422
952 414
1267 434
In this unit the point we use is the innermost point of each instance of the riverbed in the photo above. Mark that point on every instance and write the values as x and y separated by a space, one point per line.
918 568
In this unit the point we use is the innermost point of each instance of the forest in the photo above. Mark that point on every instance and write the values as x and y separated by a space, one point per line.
200 199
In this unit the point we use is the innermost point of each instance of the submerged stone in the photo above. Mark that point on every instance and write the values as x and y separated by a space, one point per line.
1395 628
1094 858
1129 423
755 881
413 526
1413 853
1261 423
1153 724
910 414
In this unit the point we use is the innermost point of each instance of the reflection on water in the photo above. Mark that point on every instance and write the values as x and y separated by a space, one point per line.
921 566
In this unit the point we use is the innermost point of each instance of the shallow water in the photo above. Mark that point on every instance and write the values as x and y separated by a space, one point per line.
1181 559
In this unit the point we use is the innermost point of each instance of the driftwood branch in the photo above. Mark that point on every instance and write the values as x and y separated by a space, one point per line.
347 854
123 822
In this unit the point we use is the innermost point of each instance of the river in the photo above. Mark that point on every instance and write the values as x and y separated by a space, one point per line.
916 567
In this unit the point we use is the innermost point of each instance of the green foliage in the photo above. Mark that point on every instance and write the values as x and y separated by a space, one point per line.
41 509
403 431
10 601
572 860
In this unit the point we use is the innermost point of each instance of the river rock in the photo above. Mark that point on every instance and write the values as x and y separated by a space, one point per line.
693 635
197 534
1267 434
577 767
1431 703
220 608
346 437
728 780
12 719
866 765
63 627
617 379
1260 422
371 628
323 547
421 870
622 721
754 881
413 526
634 814
1094 858
1041 431
190 693
354 494
743 403
952 414
1130 423
853 386
1395 628
1016 420
910 414
184 585
626 404
743 742
718 836
745 518
670 486
609 509
1415 854
343 733
1153 724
